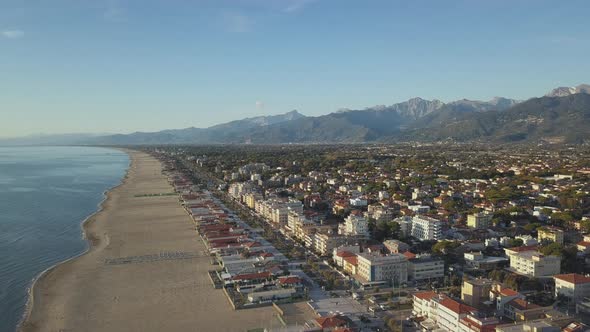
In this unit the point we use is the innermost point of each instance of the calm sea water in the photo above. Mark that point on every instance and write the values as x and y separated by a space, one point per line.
45 194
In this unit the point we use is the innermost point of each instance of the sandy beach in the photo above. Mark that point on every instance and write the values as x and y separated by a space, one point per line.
136 275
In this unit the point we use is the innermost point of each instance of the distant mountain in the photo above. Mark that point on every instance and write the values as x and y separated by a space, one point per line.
546 119
233 131
496 104
345 126
412 109
567 91
370 124
560 117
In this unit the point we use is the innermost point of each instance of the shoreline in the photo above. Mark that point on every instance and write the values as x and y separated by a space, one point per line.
90 245
87 293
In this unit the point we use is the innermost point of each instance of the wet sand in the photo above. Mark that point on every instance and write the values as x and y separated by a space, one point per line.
90 293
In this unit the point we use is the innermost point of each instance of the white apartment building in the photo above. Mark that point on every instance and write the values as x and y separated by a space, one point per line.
354 224
293 219
426 228
324 243
422 305
279 214
573 286
376 267
528 261
442 311
450 312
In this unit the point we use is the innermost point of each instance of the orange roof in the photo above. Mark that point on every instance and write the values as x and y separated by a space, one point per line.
475 325
425 295
584 243
352 260
521 304
409 255
455 306
290 280
508 292
250 276
345 253
331 321
573 278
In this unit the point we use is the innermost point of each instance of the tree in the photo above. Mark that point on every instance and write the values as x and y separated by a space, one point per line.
444 247
554 249
532 226
395 229
515 243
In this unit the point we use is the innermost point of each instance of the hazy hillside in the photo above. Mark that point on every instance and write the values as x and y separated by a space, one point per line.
549 119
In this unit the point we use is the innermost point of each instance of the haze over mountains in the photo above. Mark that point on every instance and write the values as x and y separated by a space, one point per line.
561 116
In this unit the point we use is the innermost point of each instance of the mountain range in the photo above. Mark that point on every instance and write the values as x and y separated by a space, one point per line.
561 116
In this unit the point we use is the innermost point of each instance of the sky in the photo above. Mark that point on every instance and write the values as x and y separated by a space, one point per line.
119 66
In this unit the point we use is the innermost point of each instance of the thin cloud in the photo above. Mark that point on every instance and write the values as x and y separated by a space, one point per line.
237 22
115 14
259 105
115 11
297 5
13 34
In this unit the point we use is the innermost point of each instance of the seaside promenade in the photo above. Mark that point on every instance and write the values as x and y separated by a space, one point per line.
146 270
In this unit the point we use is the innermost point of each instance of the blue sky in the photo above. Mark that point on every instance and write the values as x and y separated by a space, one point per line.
70 66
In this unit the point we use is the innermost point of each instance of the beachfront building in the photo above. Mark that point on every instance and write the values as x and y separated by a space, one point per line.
377 267
575 287
529 262
339 253
271 295
324 243
426 228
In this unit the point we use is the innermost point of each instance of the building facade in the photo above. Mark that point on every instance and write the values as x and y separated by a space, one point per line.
377 267
426 228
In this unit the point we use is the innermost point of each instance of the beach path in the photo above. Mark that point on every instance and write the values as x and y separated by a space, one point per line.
146 270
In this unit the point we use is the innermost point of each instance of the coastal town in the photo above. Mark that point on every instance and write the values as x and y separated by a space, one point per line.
393 238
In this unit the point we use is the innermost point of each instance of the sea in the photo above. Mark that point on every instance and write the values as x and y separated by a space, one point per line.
45 195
